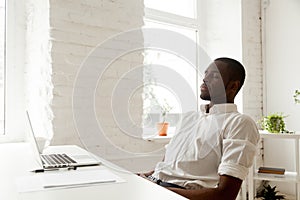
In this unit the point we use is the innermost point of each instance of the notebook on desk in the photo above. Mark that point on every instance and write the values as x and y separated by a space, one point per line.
78 158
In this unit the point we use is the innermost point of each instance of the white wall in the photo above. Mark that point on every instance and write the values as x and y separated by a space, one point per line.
252 58
282 76
220 28
282 53
38 68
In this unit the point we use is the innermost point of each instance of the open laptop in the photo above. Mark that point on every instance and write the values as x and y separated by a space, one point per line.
69 156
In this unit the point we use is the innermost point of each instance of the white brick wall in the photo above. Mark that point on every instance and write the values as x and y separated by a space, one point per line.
76 28
38 67
252 58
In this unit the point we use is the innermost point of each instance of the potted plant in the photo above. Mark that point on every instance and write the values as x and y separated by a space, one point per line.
273 123
269 193
163 125
155 104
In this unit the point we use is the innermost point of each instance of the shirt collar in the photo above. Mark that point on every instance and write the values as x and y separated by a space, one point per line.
219 108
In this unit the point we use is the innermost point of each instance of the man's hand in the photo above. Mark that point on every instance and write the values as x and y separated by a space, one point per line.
146 176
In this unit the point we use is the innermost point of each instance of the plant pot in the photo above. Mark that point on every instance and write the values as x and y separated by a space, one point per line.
162 128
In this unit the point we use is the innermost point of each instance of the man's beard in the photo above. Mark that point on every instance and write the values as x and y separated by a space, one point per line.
205 97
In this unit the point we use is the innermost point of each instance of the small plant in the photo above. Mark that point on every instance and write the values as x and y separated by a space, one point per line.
297 93
269 193
164 109
154 104
273 123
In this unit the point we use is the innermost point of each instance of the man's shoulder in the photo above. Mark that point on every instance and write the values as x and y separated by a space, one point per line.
242 124
241 117
240 120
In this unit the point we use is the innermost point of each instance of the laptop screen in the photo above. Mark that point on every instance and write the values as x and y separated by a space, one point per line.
33 141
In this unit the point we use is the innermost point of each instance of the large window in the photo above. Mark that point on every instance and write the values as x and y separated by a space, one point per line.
180 17
2 65
12 59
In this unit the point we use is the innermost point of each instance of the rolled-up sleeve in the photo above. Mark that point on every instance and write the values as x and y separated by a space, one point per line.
240 140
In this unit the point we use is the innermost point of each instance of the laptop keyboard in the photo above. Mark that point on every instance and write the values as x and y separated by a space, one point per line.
57 160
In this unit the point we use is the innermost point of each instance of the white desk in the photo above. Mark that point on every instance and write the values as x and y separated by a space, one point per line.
134 188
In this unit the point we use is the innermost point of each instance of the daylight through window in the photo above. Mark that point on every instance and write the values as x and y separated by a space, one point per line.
2 64
179 17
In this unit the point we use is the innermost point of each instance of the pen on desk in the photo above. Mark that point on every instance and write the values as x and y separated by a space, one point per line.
43 170
52 169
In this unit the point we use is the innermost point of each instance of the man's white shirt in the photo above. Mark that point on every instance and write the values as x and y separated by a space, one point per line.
206 145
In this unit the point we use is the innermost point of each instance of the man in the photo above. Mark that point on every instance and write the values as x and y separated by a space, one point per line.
213 149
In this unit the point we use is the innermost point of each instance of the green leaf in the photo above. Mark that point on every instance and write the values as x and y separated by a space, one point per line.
270 193
297 93
274 123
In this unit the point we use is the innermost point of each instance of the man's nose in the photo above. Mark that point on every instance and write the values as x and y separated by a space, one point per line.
205 79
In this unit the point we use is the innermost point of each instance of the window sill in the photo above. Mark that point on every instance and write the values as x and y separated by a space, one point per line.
8 139
149 136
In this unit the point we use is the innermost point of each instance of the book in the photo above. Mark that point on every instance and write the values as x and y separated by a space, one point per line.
271 170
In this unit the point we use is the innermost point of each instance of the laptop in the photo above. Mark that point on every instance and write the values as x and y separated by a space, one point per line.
67 156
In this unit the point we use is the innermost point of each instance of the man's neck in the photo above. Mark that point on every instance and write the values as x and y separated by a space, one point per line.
211 104
207 107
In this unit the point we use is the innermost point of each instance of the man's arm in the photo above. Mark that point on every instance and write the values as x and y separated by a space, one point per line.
145 175
228 189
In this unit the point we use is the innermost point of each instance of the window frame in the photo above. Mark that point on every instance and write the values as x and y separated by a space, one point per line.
2 131
159 16
14 66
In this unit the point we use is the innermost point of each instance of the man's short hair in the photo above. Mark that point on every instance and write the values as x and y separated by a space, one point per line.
237 70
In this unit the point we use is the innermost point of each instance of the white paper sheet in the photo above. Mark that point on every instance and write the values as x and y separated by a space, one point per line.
63 179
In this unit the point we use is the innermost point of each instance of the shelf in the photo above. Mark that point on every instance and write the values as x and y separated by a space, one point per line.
289 176
286 177
264 134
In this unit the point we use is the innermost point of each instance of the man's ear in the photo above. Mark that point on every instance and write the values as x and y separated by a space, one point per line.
234 86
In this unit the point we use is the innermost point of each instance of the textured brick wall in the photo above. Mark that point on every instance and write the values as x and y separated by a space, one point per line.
76 28
38 67
252 58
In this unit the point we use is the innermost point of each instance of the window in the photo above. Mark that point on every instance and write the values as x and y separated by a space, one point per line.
12 56
181 8
180 17
155 59
2 65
